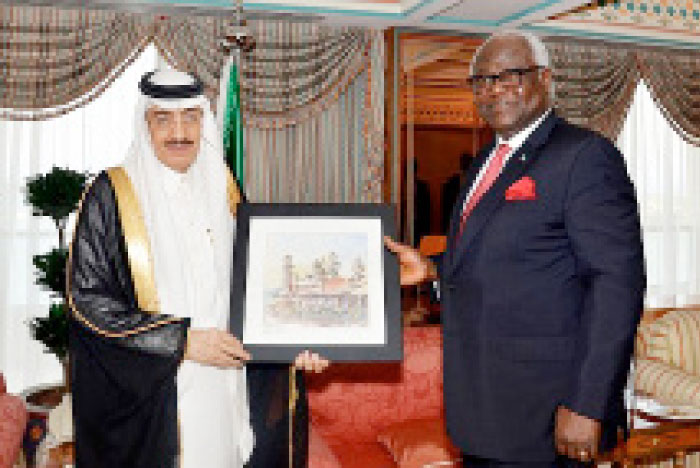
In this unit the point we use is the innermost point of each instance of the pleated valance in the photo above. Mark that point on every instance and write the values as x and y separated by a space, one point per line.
595 83
53 60
674 80
312 95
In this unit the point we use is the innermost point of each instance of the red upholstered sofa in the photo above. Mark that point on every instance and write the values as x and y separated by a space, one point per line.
13 421
361 412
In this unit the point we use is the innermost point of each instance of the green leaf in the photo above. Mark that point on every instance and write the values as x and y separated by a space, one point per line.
55 194
51 271
52 331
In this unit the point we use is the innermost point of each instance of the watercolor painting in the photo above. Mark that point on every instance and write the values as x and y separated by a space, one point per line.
316 279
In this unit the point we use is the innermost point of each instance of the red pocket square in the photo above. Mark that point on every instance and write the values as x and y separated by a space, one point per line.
522 189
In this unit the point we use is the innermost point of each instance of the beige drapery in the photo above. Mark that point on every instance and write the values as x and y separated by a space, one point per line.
674 79
328 149
53 60
595 83
311 94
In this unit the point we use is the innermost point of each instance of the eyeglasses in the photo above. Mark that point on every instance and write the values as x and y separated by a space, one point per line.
165 119
510 78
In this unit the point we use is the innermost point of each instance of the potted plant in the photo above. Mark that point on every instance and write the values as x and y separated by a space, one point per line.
55 194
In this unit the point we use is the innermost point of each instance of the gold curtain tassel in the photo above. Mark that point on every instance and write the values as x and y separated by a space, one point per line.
293 397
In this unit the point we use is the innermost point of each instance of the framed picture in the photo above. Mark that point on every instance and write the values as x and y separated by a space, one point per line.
318 277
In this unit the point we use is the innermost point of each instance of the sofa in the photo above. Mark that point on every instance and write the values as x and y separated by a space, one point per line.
375 415
13 421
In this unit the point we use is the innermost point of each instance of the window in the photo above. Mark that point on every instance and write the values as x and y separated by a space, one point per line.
666 173
90 139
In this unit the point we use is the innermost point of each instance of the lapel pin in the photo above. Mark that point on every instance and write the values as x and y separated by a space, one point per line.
523 158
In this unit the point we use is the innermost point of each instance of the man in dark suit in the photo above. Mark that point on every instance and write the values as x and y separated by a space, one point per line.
422 204
451 190
543 278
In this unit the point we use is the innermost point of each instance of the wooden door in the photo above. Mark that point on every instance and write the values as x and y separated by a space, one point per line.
431 122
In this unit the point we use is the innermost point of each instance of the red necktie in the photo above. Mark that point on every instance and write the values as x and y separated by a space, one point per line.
490 175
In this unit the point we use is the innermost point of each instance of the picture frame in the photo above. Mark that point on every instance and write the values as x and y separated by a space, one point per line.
317 277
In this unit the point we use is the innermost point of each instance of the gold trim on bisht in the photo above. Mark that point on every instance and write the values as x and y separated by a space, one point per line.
138 248
293 398
234 194
79 316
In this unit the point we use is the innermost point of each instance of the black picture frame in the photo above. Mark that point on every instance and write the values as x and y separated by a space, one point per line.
246 310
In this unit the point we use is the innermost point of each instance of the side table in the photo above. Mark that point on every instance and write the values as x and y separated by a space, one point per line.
670 439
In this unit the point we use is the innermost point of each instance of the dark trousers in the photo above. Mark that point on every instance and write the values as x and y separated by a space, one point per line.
470 461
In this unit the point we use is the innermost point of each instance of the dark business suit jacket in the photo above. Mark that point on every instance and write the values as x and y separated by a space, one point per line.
541 298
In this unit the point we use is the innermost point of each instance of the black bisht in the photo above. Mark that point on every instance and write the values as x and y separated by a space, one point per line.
124 362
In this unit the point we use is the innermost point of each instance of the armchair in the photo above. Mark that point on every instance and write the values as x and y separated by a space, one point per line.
13 421
668 357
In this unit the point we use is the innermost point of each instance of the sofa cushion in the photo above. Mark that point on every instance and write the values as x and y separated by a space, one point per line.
673 339
418 442
363 455
666 384
320 454
351 403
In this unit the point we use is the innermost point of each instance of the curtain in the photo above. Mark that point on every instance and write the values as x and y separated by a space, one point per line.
317 160
299 69
673 78
192 44
90 139
324 150
55 60
301 81
666 173
595 83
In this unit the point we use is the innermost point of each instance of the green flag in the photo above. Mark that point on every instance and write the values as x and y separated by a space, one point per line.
233 128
